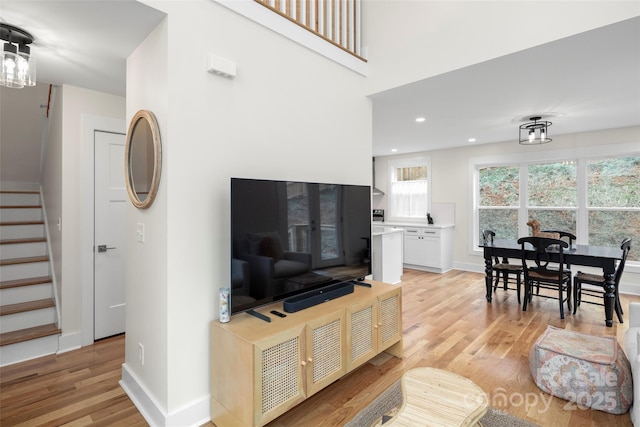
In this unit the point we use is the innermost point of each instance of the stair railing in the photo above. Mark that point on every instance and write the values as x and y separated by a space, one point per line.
336 21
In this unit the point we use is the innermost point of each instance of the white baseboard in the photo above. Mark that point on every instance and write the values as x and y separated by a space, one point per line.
629 288
194 414
68 342
477 268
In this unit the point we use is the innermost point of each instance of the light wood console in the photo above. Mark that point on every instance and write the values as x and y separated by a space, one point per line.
259 370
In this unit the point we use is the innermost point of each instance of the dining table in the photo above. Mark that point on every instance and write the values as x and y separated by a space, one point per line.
604 257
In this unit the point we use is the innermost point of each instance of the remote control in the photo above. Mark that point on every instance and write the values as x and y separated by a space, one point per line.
277 313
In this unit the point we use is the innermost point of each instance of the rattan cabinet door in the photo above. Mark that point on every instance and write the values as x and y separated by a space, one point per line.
390 319
362 333
279 374
326 351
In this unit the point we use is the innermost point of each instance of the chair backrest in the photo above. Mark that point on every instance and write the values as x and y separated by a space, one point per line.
487 236
626 247
543 247
564 235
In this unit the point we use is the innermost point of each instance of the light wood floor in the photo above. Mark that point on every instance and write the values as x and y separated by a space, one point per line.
447 324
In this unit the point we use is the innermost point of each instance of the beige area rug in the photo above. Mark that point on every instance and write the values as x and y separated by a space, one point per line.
386 405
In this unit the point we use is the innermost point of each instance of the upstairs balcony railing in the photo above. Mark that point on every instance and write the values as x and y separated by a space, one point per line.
336 21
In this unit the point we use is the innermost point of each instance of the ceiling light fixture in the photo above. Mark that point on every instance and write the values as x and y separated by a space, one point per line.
17 64
420 119
534 132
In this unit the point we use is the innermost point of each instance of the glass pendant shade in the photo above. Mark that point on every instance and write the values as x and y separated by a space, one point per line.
17 64
9 74
26 66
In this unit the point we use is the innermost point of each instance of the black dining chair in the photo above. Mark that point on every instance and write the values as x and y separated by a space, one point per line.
564 235
569 238
547 269
511 273
599 281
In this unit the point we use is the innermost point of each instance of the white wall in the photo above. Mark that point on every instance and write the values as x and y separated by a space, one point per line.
289 114
52 187
450 182
62 184
410 40
21 122
146 274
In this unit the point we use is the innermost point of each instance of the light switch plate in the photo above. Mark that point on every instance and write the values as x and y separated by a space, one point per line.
140 232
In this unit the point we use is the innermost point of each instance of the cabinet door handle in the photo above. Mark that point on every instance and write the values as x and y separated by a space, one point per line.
310 360
429 232
303 363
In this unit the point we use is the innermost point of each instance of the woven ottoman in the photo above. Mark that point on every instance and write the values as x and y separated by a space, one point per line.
590 370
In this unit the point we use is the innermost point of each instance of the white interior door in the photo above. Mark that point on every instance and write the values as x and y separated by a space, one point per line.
110 197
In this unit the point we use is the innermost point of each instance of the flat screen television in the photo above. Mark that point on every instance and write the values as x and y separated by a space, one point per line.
292 237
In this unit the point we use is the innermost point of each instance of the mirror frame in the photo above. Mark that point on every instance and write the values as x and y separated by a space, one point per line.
149 117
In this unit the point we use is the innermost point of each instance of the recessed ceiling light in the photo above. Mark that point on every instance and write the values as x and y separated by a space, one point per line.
393 150
472 140
420 119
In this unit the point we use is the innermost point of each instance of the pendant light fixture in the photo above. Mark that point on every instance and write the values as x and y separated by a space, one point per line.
535 132
17 64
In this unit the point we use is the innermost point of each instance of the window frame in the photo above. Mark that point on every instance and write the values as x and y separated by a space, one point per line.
405 163
579 155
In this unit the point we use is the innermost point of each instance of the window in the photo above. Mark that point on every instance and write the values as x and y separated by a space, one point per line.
553 195
409 189
613 202
499 200
596 198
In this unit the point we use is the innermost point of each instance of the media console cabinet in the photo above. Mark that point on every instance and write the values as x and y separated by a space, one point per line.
259 369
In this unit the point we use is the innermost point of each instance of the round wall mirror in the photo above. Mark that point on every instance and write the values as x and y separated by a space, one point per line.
143 159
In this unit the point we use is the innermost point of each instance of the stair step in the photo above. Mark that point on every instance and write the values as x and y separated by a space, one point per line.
20 207
21 213
24 282
22 248
19 192
27 260
18 241
21 229
19 198
26 306
28 334
20 294
35 222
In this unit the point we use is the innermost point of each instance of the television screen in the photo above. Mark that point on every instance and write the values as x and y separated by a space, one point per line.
292 237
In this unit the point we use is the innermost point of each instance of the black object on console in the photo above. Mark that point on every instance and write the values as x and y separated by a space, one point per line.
317 296
291 237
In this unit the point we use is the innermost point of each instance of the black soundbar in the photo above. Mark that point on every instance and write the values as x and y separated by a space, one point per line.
317 296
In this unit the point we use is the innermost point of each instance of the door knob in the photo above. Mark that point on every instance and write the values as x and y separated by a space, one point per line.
104 248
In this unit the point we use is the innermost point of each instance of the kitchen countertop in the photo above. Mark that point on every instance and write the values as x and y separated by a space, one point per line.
378 230
409 224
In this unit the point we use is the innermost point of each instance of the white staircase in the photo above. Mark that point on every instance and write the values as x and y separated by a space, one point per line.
28 320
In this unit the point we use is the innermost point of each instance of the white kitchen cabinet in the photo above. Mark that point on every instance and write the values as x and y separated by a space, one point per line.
413 248
428 248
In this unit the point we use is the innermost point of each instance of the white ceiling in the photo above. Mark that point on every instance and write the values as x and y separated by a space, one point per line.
591 80
83 43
